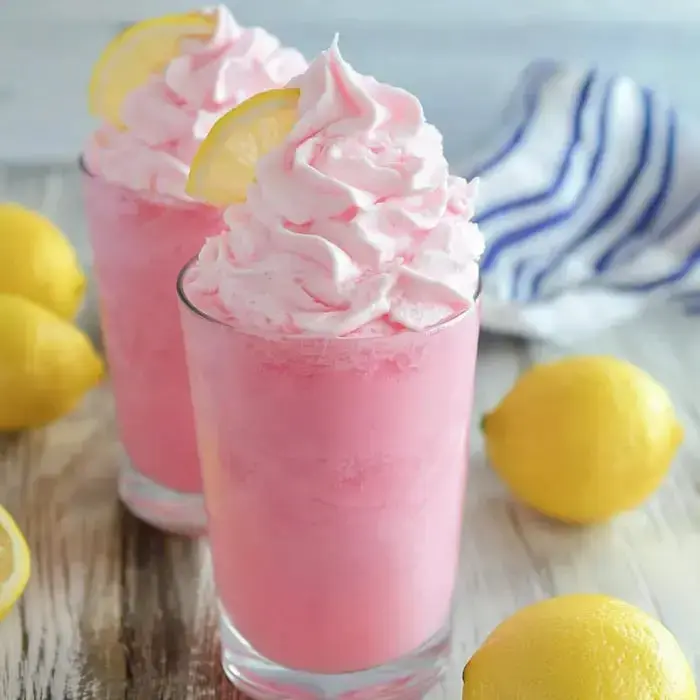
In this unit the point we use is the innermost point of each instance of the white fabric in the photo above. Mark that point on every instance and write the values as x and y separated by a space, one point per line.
589 199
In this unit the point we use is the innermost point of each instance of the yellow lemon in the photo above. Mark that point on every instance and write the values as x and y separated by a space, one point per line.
14 562
579 647
583 438
224 165
38 262
46 364
140 51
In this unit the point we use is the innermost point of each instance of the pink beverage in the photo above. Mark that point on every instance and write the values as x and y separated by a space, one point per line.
331 334
144 227
139 243
335 474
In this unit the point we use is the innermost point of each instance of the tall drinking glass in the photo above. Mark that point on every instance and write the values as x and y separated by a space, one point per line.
140 242
334 473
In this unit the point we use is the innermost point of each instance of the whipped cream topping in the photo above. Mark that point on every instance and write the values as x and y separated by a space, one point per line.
167 118
354 224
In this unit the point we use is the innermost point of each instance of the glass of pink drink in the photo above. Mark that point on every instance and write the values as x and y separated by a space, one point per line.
331 335
139 242
143 227
334 472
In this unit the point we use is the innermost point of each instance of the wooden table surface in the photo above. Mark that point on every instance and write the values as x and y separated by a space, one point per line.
114 609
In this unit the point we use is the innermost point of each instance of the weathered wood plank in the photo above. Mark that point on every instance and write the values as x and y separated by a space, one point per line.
64 640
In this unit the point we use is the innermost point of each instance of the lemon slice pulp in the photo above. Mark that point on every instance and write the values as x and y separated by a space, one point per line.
224 165
14 562
134 55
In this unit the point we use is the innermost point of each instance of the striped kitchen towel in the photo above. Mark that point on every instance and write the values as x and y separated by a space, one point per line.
590 204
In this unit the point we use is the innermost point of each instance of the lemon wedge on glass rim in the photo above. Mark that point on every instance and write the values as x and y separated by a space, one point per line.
14 562
224 165
135 54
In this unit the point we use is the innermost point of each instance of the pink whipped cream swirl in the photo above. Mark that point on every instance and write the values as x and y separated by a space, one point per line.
353 226
168 118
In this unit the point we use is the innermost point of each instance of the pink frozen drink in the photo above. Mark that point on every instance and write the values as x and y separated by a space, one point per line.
331 335
143 227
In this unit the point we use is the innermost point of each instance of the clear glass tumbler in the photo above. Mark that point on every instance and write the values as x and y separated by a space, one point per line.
334 475
139 244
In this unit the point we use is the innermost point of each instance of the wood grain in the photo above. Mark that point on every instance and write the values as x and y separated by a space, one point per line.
115 609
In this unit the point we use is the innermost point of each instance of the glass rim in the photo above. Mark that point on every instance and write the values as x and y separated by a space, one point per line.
82 166
192 308
158 198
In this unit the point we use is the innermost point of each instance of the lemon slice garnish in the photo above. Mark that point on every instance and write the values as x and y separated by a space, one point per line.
224 165
14 562
134 55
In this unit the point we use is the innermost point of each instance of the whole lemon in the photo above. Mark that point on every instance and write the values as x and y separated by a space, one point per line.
46 364
583 438
38 262
579 647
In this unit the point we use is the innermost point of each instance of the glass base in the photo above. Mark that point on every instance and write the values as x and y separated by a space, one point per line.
173 511
407 678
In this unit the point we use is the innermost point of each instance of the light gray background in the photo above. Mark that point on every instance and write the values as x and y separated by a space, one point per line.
460 56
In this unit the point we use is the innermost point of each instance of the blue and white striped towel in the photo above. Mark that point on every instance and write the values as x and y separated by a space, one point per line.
590 205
